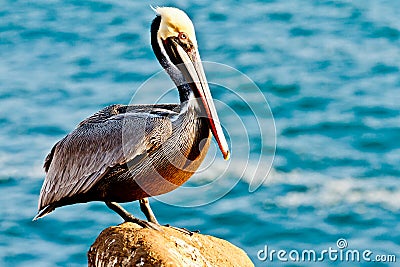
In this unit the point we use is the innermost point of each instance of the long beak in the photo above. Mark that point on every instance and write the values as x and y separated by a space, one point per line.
193 72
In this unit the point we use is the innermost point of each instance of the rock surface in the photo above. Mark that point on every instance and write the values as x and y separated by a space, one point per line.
130 245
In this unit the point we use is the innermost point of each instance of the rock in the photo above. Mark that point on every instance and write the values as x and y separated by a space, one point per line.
130 245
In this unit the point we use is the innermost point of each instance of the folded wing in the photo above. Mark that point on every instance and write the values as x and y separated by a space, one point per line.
104 140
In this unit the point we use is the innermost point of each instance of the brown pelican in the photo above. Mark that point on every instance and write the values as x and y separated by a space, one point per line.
125 153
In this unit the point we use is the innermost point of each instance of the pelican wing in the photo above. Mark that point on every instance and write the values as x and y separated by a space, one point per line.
100 142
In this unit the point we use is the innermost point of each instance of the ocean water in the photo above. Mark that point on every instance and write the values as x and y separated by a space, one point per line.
329 71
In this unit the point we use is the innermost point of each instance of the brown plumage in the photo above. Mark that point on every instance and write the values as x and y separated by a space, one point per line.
117 155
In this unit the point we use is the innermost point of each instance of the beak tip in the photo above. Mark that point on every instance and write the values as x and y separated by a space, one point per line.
227 155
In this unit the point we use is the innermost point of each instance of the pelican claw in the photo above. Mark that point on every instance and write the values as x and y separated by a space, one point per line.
183 230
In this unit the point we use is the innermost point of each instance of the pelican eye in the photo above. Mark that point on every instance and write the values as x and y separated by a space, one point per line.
182 36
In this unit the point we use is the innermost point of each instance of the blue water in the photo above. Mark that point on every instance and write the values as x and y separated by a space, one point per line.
331 74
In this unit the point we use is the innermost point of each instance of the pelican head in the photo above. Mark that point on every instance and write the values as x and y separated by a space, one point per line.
174 43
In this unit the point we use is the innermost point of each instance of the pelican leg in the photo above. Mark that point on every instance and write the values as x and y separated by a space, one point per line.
146 209
129 217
